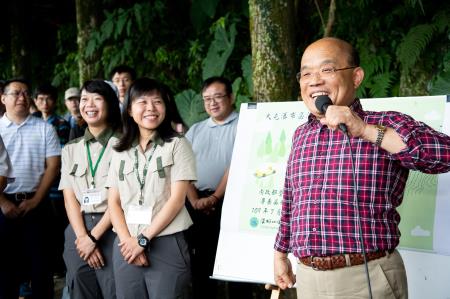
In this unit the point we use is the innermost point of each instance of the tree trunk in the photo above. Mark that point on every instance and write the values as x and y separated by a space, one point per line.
415 81
20 45
87 21
273 50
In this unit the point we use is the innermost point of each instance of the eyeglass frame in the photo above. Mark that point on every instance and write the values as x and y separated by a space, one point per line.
25 93
332 74
218 98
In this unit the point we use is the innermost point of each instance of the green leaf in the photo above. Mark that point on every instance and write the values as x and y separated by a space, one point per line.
219 51
441 85
91 47
236 85
413 44
190 105
208 6
380 85
120 24
138 16
107 28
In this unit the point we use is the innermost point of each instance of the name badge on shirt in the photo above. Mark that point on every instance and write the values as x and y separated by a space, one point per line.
137 214
91 197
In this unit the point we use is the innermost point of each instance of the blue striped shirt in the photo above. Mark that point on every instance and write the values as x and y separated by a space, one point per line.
28 145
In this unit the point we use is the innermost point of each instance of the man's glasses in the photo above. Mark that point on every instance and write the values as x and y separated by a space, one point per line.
16 93
217 98
325 72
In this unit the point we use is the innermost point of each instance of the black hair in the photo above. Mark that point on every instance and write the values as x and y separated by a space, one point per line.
123 69
143 86
46 89
172 107
18 80
217 79
112 102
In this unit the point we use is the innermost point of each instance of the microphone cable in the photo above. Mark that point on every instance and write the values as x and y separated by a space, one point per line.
358 216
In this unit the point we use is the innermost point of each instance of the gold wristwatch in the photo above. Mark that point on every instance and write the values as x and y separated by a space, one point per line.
381 130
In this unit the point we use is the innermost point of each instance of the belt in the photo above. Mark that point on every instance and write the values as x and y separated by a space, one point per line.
340 260
19 196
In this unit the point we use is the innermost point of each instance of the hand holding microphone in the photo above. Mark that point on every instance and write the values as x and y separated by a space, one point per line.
322 104
348 122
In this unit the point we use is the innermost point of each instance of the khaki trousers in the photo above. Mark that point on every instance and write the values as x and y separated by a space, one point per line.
387 278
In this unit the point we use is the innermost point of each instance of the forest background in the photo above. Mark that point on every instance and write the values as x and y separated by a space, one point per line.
404 45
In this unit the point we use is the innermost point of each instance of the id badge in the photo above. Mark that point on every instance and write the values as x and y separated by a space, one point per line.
137 214
91 197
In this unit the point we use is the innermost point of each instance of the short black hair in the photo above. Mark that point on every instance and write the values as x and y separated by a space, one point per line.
18 80
123 69
112 102
138 88
218 79
47 89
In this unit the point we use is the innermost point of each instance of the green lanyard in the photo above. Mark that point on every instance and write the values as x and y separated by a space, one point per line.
94 169
144 173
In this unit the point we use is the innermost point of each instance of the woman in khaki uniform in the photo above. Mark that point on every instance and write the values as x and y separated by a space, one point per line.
148 181
85 162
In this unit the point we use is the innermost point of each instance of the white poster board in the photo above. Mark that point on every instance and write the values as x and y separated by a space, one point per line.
250 214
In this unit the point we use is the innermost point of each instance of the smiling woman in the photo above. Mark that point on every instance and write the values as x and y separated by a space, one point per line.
85 164
147 182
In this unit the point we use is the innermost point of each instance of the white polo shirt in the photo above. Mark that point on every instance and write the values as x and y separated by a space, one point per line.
28 145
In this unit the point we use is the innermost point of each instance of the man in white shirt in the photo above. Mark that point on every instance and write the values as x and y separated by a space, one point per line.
34 150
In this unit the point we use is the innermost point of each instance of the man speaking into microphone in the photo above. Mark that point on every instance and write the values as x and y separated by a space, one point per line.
345 178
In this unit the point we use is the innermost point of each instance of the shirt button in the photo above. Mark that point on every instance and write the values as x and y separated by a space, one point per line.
314 229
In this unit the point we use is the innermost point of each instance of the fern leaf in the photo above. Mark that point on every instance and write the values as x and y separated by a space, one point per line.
380 85
413 45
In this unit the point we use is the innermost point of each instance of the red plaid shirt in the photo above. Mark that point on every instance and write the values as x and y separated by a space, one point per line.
318 210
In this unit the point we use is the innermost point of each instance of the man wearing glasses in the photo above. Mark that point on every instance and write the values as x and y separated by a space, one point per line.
212 141
345 178
34 150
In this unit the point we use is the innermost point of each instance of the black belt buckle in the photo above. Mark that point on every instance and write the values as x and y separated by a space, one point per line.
20 196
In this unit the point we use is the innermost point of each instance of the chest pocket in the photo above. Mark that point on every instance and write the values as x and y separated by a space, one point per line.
160 170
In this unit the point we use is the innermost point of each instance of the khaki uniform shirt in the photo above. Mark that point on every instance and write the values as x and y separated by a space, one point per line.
171 161
75 171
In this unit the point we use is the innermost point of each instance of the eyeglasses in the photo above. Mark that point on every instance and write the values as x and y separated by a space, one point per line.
325 72
44 99
218 98
15 94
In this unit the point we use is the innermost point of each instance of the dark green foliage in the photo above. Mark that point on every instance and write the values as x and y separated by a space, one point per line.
413 45
190 105
394 39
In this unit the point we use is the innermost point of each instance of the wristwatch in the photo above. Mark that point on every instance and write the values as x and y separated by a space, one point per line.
381 130
143 241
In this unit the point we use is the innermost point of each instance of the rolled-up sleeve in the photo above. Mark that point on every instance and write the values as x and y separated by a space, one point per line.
427 150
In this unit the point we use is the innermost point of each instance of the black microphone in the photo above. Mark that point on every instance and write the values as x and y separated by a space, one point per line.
322 104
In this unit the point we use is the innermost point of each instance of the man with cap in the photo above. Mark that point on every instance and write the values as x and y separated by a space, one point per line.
73 116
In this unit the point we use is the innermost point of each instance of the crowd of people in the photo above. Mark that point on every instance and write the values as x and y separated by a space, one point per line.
97 196
124 201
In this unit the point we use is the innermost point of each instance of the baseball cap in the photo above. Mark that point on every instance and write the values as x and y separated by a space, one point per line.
72 92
